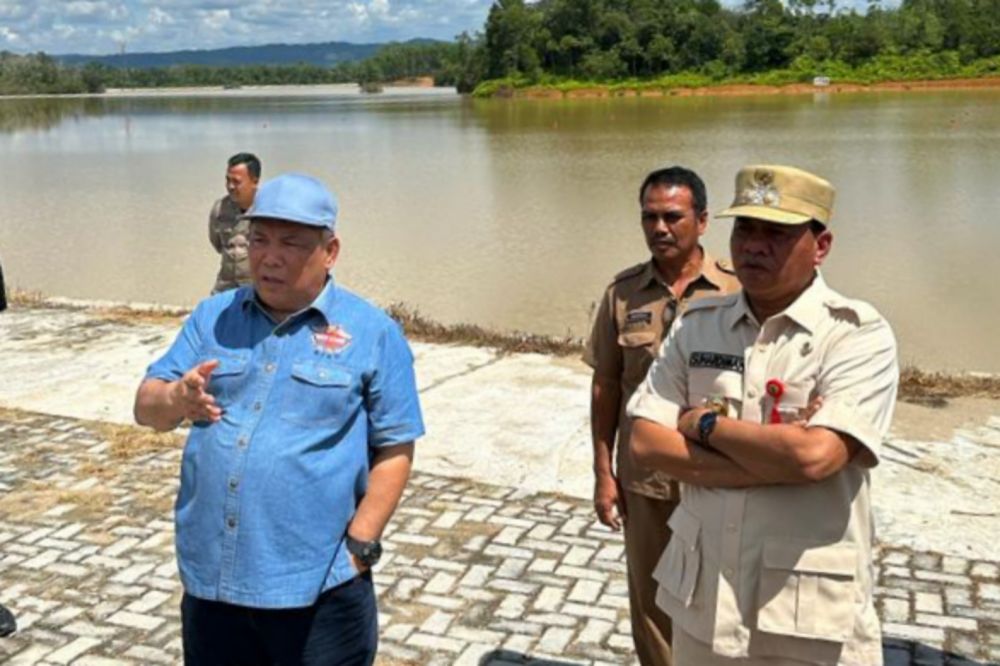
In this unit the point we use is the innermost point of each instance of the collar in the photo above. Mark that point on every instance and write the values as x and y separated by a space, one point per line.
322 305
806 310
709 274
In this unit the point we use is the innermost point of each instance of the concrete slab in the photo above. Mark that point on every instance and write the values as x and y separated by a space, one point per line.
519 420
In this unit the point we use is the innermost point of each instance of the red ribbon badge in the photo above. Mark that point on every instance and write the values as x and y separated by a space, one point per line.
331 339
775 389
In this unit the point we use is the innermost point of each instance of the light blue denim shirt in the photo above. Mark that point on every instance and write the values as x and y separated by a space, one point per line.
267 493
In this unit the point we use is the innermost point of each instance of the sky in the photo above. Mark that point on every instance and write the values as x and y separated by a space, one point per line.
98 27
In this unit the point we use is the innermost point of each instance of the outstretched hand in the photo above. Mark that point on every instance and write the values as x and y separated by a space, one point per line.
189 392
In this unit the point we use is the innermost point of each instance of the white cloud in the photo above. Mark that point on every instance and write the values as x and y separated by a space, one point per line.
99 26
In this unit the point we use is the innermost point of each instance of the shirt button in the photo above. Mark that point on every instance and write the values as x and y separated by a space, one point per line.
269 367
728 571
242 442
731 527
257 406
231 522
233 484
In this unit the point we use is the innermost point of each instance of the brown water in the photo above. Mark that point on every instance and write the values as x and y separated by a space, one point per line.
511 214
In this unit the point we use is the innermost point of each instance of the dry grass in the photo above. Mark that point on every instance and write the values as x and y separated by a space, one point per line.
39 497
25 298
127 442
934 389
419 327
126 315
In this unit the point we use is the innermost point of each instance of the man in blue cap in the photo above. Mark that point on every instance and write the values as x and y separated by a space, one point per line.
304 412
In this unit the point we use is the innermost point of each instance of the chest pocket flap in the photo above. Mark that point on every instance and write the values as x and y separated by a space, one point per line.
321 375
318 394
637 338
229 364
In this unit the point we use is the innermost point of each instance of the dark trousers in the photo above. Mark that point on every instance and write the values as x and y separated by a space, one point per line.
340 629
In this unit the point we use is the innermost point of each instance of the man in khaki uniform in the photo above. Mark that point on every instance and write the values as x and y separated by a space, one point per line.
229 233
636 309
771 560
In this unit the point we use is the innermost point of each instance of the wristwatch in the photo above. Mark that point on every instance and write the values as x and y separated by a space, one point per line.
706 424
367 552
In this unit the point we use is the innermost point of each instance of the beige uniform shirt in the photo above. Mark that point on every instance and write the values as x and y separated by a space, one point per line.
635 312
777 571
230 236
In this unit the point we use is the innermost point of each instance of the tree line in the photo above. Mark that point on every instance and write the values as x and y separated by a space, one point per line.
553 41
607 40
39 73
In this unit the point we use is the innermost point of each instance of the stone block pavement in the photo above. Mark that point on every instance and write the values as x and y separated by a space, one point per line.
474 574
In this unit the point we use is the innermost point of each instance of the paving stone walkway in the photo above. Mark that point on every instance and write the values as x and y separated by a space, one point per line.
474 574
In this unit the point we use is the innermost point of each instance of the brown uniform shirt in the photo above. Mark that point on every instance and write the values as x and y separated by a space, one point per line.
634 314
230 236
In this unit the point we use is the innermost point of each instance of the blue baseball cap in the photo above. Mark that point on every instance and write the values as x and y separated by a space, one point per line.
295 197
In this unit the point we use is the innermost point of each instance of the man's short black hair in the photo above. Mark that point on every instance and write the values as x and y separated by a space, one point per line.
253 164
678 176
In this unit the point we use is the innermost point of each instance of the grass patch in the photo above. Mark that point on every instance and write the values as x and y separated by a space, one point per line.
128 442
25 298
419 327
39 497
934 389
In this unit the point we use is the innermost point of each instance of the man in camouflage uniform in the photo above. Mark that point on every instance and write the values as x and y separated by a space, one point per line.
227 232
635 313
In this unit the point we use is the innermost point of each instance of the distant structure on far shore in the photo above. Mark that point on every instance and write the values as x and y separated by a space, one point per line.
821 81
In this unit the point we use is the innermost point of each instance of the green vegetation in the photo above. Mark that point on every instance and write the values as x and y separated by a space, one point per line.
446 63
621 44
563 44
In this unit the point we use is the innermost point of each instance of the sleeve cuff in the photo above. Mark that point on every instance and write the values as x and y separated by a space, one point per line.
850 420
652 407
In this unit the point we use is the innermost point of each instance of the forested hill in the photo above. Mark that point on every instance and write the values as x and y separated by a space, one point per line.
607 40
320 54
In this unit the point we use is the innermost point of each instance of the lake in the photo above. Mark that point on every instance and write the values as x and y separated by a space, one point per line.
512 214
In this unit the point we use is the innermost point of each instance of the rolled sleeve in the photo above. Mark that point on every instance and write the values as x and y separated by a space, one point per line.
183 353
858 385
393 405
663 394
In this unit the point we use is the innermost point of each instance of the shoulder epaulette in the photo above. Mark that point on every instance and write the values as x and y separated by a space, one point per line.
630 272
710 302
865 313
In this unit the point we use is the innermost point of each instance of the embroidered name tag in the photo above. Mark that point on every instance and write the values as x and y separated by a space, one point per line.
638 317
716 361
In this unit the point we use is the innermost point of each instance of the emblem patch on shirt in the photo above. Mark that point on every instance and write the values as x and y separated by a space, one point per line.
330 339
638 317
716 361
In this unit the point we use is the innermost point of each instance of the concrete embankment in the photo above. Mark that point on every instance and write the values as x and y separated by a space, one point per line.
517 420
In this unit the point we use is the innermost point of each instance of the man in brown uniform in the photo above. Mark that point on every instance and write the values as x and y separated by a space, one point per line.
636 310
227 232
771 557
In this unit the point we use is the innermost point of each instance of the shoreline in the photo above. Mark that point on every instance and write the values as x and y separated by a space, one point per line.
740 89
916 386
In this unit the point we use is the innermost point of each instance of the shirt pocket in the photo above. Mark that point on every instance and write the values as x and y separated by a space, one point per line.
317 394
808 592
227 380
638 352
707 385
678 568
